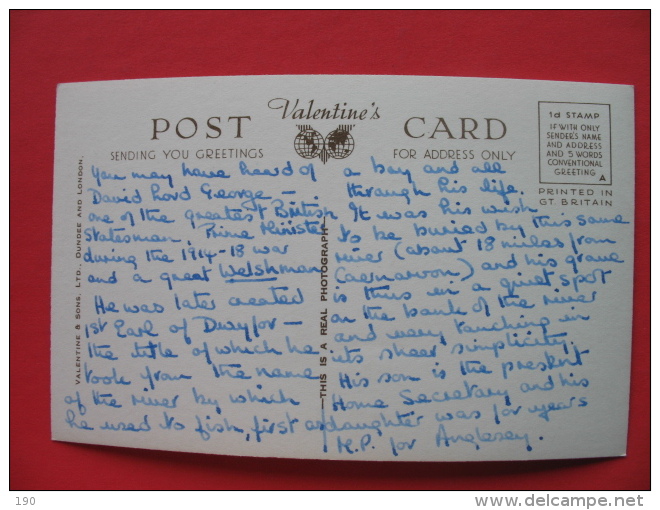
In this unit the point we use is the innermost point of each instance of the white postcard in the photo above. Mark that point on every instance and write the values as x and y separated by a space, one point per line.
344 267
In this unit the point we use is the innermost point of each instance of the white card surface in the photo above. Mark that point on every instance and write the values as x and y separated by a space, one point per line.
344 267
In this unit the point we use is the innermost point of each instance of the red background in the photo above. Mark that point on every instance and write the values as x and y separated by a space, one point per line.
48 48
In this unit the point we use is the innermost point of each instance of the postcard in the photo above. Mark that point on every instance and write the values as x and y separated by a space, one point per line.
395 268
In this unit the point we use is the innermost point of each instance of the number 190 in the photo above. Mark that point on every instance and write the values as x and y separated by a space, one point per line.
25 501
